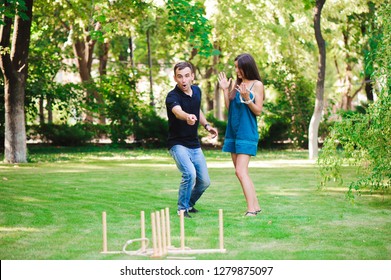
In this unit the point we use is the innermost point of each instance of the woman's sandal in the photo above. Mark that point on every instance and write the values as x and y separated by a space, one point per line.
251 214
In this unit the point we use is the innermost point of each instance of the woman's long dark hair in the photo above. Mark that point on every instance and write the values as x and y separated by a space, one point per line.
247 65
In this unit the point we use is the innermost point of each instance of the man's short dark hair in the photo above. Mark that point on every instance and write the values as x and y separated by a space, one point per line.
183 65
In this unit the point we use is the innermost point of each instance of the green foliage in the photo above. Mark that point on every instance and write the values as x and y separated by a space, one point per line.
364 140
277 33
290 113
273 126
47 58
309 4
122 104
65 135
150 129
127 111
65 100
10 8
188 23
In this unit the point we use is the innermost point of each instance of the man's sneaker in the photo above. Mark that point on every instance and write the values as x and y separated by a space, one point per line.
193 210
185 214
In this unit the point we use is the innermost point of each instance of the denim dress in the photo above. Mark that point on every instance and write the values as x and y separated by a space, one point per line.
241 136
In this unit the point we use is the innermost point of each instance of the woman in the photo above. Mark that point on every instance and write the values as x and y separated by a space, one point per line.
244 102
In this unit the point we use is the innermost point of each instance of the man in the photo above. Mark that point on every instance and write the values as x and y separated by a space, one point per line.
184 115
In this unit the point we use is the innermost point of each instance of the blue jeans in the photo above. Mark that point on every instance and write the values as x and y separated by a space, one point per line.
195 178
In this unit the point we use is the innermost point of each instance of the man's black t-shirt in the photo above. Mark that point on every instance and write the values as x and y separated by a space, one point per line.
179 132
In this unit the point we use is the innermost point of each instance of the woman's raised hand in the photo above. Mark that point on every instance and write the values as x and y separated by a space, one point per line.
223 82
243 90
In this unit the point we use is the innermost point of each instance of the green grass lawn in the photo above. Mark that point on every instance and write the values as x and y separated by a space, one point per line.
51 207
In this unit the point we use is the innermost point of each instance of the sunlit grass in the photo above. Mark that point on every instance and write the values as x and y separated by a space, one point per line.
51 207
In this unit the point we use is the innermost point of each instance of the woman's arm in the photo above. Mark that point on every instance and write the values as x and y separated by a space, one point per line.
224 85
259 91
255 104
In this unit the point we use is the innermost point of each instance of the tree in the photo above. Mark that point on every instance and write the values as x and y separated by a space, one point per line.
349 35
84 29
317 114
279 36
13 63
368 29
363 140
45 62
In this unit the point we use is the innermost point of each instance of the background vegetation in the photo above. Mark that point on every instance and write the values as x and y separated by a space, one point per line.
362 138
126 50
99 71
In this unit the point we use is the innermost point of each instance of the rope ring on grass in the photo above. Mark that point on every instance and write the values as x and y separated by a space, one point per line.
138 252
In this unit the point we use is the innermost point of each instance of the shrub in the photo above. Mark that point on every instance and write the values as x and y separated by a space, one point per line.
151 130
364 140
273 128
65 135
292 107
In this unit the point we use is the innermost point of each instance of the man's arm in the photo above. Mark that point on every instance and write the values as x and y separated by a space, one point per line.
207 126
182 115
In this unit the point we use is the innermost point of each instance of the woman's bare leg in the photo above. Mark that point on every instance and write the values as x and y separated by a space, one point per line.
241 162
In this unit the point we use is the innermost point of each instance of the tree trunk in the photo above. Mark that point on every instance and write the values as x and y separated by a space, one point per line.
346 102
83 49
317 114
368 25
103 58
41 110
14 67
15 126
218 106
209 98
152 98
131 55
368 87
50 110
